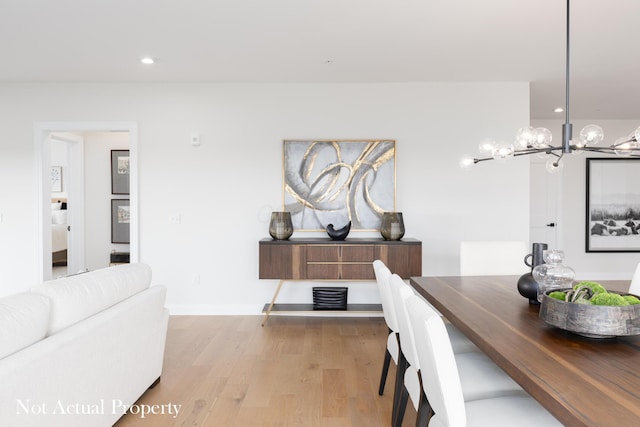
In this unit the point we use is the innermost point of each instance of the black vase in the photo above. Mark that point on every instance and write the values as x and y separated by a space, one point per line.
339 234
527 285
528 288
536 255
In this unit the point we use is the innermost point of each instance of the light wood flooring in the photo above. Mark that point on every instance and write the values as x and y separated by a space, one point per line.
294 371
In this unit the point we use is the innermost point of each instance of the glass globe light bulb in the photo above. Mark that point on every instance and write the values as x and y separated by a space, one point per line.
543 138
626 146
487 147
503 150
466 162
623 147
554 165
578 145
525 137
591 134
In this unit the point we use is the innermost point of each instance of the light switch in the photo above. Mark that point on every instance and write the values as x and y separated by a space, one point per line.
176 218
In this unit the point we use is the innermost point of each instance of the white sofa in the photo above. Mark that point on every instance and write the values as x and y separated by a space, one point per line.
77 351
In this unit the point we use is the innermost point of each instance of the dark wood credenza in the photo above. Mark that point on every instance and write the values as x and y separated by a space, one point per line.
308 259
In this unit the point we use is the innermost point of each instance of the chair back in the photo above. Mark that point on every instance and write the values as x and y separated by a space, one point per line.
492 258
383 274
440 378
634 287
400 291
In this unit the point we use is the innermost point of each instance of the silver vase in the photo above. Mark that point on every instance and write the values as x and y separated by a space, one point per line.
280 227
392 227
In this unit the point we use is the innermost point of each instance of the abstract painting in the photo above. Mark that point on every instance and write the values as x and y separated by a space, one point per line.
337 181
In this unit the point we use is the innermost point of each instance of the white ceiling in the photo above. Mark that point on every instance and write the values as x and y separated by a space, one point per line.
335 41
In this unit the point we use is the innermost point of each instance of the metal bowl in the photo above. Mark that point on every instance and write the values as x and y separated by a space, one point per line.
593 321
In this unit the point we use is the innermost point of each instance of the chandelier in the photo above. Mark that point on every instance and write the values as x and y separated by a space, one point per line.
531 140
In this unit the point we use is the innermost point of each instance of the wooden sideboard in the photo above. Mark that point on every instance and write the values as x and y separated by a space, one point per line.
308 259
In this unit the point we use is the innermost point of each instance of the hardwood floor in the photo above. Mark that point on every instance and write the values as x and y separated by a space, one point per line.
295 371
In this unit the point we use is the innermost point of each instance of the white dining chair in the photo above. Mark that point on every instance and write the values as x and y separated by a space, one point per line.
383 274
481 377
489 258
443 383
634 287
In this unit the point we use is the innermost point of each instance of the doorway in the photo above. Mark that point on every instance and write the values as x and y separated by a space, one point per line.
67 202
71 133
545 192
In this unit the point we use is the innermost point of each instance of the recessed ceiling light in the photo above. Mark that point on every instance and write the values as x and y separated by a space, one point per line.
558 110
147 60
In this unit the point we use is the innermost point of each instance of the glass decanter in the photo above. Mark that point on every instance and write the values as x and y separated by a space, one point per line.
552 275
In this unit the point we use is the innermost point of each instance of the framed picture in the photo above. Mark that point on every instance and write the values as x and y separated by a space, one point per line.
337 181
120 219
120 172
613 205
56 179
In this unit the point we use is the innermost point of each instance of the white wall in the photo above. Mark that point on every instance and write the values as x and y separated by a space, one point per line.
223 188
97 197
588 265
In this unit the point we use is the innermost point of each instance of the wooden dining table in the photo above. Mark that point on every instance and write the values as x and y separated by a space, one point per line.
581 381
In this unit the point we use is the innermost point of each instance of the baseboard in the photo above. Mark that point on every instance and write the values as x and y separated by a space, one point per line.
214 309
249 310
